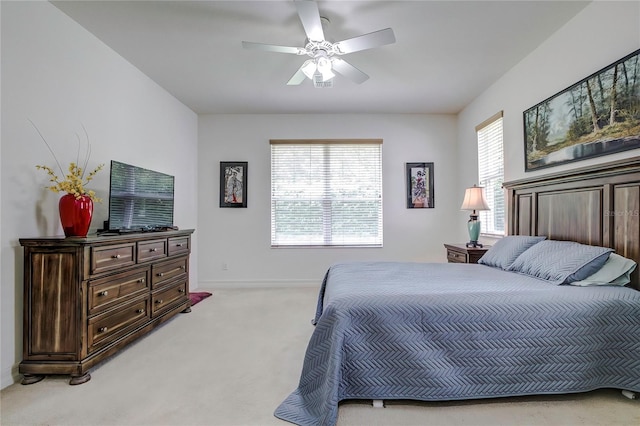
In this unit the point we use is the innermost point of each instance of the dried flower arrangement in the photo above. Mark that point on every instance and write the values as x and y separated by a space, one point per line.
76 179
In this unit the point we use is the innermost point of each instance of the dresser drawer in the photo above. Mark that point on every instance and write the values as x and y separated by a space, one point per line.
456 257
108 258
115 289
178 245
162 273
150 250
164 299
109 326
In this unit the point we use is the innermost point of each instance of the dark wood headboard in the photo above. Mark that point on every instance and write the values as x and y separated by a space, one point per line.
597 205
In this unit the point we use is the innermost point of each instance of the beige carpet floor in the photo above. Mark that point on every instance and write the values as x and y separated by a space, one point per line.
236 356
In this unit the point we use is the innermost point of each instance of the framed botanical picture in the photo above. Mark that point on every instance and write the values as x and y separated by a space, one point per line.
596 116
233 183
419 178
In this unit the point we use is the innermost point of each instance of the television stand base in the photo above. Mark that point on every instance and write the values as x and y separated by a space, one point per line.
112 232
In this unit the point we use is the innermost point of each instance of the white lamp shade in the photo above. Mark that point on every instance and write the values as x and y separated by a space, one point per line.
474 199
324 67
320 65
309 68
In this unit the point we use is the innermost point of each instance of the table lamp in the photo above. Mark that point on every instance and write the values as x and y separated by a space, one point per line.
473 201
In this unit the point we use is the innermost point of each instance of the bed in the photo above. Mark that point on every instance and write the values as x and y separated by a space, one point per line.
395 330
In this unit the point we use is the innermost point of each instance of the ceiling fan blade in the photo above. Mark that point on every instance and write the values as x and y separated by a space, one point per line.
297 78
346 69
273 48
310 18
366 41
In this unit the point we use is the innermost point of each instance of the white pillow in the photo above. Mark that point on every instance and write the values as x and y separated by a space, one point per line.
616 271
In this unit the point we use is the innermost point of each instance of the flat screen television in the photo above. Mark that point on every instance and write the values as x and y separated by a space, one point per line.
139 199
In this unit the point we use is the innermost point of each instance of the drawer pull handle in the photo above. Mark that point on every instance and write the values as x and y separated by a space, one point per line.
181 290
153 249
103 293
179 245
141 280
103 329
140 311
182 267
159 301
116 256
160 274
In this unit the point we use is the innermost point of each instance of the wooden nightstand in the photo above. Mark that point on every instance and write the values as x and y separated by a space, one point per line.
460 253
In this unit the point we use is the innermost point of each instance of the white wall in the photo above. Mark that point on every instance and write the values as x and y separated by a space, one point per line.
241 237
599 35
60 76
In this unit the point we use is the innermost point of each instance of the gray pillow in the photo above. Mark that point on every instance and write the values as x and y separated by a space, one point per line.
506 250
561 262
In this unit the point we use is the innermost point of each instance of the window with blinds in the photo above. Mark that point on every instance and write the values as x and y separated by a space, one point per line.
326 192
491 174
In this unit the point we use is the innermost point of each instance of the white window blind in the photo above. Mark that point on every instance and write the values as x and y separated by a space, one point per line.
491 174
326 192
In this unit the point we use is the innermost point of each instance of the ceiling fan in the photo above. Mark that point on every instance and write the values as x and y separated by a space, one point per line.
323 53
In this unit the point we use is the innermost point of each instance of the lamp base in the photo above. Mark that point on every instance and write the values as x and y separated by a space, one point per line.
474 230
474 244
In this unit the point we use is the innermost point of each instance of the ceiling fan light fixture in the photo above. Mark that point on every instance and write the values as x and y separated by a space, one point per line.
309 68
324 64
324 68
327 75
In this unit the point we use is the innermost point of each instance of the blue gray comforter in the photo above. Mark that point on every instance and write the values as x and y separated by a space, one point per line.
431 332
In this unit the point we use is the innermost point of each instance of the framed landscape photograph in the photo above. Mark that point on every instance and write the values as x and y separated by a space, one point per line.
419 185
233 183
596 116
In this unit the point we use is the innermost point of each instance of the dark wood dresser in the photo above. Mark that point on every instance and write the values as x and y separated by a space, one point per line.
460 253
87 298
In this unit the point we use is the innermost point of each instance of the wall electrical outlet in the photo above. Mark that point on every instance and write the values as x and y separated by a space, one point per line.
225 266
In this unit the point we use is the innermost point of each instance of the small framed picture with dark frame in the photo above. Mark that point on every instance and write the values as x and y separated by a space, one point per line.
233 183
419 178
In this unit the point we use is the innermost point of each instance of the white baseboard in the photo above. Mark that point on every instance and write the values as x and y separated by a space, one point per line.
213 284
9 376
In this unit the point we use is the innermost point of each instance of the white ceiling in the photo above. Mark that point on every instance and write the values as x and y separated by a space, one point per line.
446 52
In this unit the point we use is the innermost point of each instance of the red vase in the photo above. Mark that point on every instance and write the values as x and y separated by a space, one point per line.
75 215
